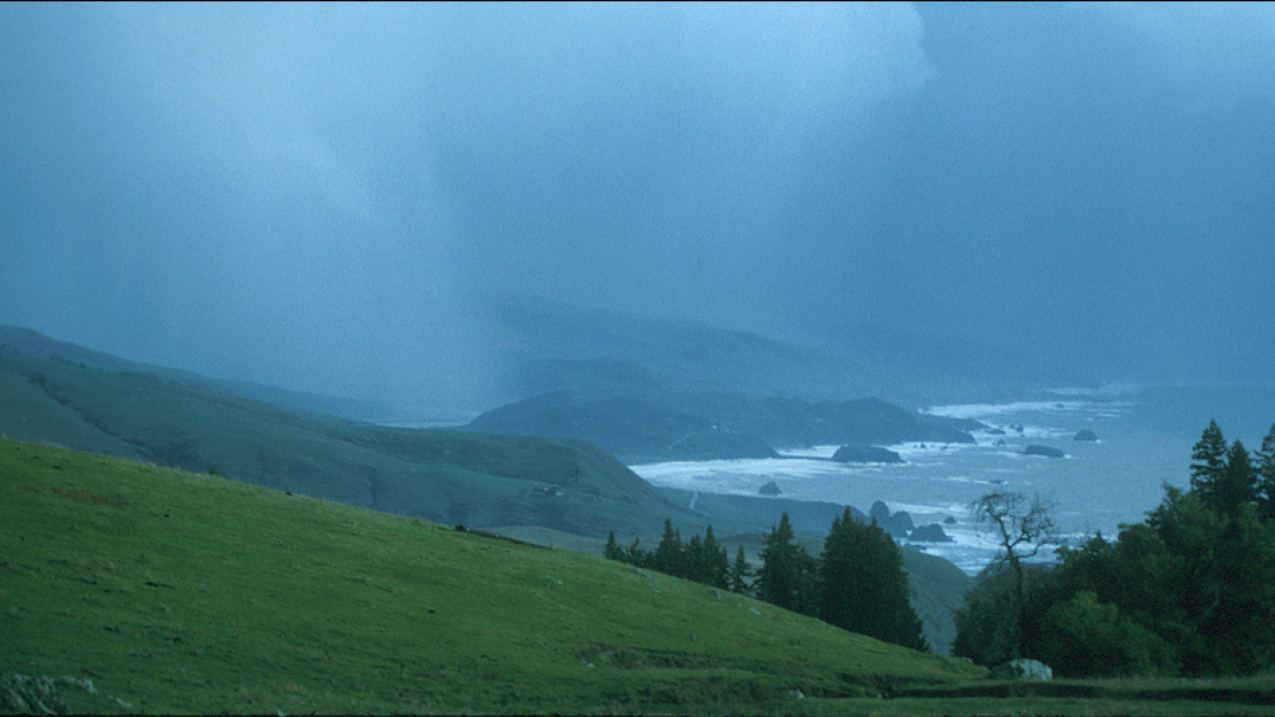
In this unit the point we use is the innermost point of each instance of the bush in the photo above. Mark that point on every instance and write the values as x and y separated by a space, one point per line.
1083 637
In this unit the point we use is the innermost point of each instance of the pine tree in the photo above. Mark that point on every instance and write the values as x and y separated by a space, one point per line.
838 598
778 577
1265 469
613 551
862 584
635 555
669 557
1236 484
715 563
1209 460
694 564
739 573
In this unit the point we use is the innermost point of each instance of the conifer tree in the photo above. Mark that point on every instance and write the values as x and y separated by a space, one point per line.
1208 461
739 573
635 555
715 563
613 551
1235 485
694 563
1265 469
778 577
862 584
669 555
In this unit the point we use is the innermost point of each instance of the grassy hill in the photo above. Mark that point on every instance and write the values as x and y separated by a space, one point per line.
175 592
446 476
184 592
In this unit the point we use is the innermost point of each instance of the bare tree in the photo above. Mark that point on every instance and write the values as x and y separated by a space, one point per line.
1023 527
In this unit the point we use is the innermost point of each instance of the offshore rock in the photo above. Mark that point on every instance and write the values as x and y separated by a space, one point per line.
932 533
1085 435
865 454
1038 450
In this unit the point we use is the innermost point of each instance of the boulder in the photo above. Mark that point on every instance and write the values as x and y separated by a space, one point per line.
769 489
1038 450
865 454
20 694
1085 435
1022 669
932 533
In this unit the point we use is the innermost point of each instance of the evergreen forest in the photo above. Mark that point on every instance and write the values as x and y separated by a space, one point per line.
857 583
1189 592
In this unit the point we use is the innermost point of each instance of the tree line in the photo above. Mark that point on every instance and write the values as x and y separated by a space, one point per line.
857 583
1190 591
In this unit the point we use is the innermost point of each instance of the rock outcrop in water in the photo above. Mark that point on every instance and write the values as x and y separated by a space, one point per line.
1038 450
866 454
932 533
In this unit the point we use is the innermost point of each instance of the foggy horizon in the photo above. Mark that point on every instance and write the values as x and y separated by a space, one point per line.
321 196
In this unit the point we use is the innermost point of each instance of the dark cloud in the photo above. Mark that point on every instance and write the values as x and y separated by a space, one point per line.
311 194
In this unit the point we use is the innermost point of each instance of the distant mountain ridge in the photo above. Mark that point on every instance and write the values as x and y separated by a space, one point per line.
652 427
547 346
28 342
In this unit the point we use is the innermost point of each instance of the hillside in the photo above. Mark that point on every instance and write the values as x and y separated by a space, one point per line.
546 346
446 476
657 426
16 340
184 592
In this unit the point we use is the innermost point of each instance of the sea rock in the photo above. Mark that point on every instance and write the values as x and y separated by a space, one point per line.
879 511
865 454
932 533
1085 435
1022 669
949 520
769 489
897 525
1038 450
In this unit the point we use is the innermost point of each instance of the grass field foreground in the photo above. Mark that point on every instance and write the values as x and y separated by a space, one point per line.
190 593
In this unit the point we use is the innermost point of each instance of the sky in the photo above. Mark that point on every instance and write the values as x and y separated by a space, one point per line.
314 195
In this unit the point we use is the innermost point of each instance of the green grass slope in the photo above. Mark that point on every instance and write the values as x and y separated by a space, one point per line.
445 476
180 592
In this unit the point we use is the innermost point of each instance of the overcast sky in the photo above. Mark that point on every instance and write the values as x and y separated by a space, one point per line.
311 195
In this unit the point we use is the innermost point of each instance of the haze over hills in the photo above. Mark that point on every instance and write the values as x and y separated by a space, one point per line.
544 345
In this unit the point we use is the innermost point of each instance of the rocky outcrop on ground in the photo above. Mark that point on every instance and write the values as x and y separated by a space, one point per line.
20 694
1022 669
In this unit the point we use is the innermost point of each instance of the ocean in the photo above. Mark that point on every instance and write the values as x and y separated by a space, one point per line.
1145 438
